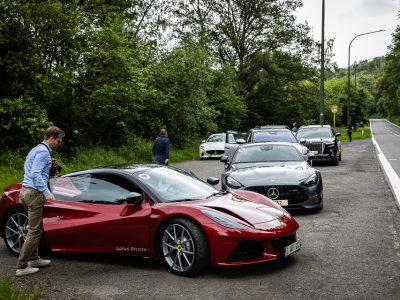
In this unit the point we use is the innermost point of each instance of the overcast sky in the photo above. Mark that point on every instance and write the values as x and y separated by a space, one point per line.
344 19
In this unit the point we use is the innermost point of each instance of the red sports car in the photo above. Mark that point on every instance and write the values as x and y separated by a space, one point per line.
155 211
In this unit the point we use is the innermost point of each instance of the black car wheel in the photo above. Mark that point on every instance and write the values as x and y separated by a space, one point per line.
15 230
335 161
184 247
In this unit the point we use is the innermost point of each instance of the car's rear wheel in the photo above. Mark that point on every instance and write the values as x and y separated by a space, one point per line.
15 230
184 247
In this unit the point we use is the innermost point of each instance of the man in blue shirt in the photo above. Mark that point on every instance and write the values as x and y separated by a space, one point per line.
161 148
34 194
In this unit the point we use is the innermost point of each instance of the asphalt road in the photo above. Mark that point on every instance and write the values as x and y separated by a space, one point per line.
351 250
387 136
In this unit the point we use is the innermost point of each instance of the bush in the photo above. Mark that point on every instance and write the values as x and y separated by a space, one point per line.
22 123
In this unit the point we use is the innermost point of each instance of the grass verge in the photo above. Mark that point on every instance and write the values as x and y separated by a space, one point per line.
360 133
9 292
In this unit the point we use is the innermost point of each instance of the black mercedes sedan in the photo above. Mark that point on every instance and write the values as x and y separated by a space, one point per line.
277 170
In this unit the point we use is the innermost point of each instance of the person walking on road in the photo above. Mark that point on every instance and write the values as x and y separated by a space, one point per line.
34 194
349 131
295 127
161 148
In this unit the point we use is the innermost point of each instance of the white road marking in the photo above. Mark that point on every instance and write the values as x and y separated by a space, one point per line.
391 175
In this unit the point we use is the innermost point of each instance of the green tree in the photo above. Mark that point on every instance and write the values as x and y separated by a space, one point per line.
23 123
390 81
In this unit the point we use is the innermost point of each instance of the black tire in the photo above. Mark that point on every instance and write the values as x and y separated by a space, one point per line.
184 247
15 230
335 161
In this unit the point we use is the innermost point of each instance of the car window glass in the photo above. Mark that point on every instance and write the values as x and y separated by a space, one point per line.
216 138
267 153
274 136
314 132
72 188
233 136
110 188
95 188
175 185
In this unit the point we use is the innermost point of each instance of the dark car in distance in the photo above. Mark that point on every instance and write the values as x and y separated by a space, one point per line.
322 141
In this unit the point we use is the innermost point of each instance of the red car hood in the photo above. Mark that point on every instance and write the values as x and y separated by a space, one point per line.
258 215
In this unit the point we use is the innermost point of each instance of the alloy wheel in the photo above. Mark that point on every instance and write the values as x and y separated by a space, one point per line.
16 230
178 248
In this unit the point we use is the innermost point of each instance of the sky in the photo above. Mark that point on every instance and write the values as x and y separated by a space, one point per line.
345 19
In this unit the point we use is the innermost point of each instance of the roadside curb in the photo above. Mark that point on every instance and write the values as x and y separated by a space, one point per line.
390 174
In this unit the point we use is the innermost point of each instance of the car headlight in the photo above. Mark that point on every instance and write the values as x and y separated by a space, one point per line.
330 144
233 183
312 180
222 220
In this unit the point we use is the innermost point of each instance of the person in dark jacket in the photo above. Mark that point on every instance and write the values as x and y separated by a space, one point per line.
161 148
349 131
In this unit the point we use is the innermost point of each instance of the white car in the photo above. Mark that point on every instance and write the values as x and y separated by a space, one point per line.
213 146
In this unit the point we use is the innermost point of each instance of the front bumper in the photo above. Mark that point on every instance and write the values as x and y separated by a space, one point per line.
229 247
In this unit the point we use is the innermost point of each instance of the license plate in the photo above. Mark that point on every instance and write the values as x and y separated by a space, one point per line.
292 248
282 202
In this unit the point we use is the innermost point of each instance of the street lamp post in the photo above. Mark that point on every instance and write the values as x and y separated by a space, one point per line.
348 72
322 84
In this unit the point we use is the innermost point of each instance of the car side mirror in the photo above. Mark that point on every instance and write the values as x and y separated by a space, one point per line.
240 141
305 151
310 155
213 180
338 134
134 198
302 141
224 159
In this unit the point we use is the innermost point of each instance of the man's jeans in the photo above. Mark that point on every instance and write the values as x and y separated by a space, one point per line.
159 159
33 202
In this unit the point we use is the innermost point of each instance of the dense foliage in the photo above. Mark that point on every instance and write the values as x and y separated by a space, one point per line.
109 72
389 98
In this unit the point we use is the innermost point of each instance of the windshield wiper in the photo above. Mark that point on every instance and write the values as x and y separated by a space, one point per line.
99 202
220 193
184 200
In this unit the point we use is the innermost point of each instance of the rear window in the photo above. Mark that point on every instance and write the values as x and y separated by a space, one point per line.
274 136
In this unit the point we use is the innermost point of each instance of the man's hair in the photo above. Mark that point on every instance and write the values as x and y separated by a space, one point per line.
163 131
54 132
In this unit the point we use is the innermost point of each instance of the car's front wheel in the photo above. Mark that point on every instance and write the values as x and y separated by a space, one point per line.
15 230
184 247
335 161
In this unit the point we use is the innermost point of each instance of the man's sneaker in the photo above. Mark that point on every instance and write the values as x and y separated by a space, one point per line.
27 271
40 262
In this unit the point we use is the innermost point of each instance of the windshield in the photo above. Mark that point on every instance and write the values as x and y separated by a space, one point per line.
216 138
274 136
267 153
172 185
314 132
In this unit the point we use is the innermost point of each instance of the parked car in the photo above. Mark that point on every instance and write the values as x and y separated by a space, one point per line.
271 133
277 171
154 211
213 146
323 141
